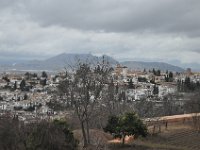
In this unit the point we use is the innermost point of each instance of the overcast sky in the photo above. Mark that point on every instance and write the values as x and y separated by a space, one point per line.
153 30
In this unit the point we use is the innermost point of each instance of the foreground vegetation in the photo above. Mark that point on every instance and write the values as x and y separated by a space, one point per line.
42 135
128 124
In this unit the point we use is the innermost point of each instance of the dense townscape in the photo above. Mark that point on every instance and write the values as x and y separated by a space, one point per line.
29 95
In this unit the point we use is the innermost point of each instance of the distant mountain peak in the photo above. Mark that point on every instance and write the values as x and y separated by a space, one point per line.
64 60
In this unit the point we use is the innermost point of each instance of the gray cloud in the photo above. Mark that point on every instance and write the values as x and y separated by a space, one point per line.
161 30
174 16
6 3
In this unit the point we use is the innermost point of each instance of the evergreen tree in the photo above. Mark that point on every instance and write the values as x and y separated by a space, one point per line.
187 83
170 75
44 74
27 75
155 90
22 85
127 124
130 84
154 71
15 85
158 72
35 75
25 97
166 78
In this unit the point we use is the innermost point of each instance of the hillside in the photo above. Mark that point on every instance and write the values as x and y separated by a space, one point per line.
139 65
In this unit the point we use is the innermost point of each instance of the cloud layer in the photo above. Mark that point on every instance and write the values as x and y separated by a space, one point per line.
132 29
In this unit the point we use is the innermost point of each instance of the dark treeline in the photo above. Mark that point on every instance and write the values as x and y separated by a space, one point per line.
41 135
188 85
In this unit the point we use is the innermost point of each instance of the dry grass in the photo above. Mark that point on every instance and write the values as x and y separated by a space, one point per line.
175 137
98 138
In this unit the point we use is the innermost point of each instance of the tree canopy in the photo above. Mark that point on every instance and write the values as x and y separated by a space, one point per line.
127 124
44 74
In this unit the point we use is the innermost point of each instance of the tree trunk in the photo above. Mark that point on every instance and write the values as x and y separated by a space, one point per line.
88 131
84 135
123 140
100 123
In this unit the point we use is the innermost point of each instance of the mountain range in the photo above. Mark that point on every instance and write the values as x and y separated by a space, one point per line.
139 65
64 60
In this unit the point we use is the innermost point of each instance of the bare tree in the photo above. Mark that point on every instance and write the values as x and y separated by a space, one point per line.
145 108
83 90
